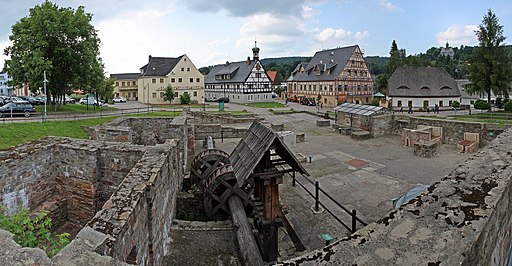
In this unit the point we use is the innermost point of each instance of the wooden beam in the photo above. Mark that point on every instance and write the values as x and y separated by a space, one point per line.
246 242
299 246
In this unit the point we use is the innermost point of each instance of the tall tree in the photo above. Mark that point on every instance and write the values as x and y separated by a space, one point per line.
490 70
60 41
169 94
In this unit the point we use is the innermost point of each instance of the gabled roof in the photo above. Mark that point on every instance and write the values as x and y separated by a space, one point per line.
252 147
243 70
272 75
125 76
411 81
159 66
333 59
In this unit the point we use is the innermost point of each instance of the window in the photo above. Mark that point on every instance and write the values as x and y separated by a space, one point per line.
180 80
309 87
117 83
330 87
175 94
154 94
258 75
182 69
198 80
161 94
314 87
399 103
161 80
472 102
345 87
122 84
195 93
440 103
188 69
409 103
173 80
191 80
450 103
153 80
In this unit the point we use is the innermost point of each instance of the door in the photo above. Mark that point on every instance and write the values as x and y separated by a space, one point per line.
425 105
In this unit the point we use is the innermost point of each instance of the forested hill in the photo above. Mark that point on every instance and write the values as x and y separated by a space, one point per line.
283 65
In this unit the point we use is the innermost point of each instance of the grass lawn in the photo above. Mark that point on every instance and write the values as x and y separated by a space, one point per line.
18 133
265 105
73 108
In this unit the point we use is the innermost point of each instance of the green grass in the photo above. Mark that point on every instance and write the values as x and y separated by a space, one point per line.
18 133
73 108
265 105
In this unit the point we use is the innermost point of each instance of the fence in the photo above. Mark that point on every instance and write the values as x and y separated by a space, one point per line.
40 117
318 203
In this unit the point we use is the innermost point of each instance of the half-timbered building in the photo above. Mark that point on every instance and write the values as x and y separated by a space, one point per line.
241 82
333 76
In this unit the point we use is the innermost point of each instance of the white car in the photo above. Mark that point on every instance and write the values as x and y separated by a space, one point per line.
119 99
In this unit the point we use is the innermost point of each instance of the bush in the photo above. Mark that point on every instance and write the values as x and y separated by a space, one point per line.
375 102
481 105
508 106
455 104
185 98
33 232
195 102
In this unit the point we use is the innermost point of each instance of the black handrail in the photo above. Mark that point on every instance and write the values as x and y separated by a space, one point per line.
318 203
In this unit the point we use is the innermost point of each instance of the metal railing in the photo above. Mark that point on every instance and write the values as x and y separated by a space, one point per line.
318 203
70 116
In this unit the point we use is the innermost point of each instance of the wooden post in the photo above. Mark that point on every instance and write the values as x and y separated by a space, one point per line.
246 241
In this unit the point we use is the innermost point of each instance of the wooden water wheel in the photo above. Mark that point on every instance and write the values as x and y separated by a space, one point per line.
205 162
218 187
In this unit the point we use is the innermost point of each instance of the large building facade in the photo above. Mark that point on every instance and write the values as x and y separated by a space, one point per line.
241 82
178 72
333 76
422 88
126 85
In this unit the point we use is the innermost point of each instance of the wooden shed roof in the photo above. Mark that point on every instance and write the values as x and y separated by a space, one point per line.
252 147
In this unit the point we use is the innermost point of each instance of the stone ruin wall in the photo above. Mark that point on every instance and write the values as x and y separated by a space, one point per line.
453 131
137 184
463 219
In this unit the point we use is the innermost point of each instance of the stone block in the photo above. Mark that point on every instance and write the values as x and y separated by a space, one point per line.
277 127
323 123
360 135
425 148
300 137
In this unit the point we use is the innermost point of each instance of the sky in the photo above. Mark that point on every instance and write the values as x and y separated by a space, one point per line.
212 32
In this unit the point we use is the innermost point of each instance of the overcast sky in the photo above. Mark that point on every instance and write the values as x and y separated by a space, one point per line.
215 31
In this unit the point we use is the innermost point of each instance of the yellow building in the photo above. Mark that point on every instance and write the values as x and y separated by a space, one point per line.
333 76
179 72
126 85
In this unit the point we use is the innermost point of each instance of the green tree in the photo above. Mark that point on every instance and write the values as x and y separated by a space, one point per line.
169 94
185 98
60 41
490 70
508 106
455 104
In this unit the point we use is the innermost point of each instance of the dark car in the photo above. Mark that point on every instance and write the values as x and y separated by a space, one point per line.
17 108
223 100
30 99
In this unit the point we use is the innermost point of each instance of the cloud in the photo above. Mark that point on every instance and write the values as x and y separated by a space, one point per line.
340 36
457 35
245 8
389 6
3 57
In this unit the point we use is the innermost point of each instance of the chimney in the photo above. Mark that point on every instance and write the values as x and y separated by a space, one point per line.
149 58
248 60
227 63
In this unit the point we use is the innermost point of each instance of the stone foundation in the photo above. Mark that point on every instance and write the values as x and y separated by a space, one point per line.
425 148
323 123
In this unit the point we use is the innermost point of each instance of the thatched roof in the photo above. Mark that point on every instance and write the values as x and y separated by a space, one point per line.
409 81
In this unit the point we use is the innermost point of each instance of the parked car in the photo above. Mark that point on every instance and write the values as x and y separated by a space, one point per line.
119 99
223 100
90 101
294 99
17 108
68 99
30 99
307 101
210 99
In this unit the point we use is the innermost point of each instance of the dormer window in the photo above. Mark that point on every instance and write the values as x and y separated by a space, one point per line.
445 88
424 88
402 88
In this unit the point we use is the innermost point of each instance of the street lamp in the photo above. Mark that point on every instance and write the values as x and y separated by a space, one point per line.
45 97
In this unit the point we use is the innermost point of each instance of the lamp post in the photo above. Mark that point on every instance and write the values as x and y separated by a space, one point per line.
45 97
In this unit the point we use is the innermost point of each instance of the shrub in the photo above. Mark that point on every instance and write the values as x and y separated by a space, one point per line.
499 102
508 106
481 105
375 102
33 232
455 104
185 98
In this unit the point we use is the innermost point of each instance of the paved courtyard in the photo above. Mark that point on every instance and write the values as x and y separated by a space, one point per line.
360 175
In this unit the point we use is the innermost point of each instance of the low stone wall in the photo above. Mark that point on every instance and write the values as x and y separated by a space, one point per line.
463 219
208 118
218 131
